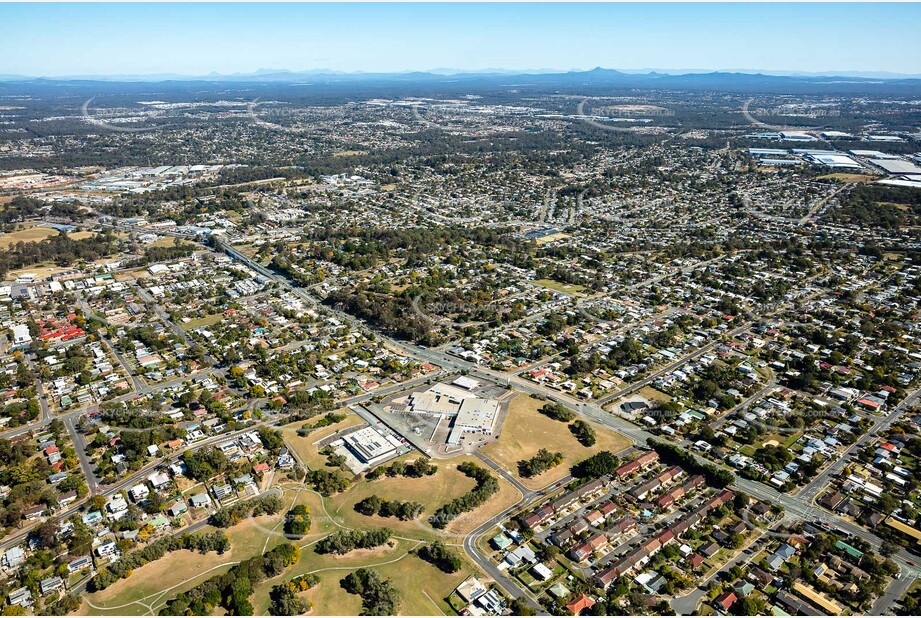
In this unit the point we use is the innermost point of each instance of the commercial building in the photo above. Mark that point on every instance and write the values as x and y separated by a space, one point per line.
371 446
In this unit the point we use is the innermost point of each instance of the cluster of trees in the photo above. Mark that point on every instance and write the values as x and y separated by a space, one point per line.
153 255
583 432
598 465
676 455
344 541
414 469
297 521
372 505
228 516
486 486
540 463
558 412
330 418
205 464
60 249
442 557
871 205
328 482
284 597
214 541
233 589
379 597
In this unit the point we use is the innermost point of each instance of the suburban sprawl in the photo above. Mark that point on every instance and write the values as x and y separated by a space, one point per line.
559 344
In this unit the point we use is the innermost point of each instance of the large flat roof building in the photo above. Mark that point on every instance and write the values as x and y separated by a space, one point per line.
371 446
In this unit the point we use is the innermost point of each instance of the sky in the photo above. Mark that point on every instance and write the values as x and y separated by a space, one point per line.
198 39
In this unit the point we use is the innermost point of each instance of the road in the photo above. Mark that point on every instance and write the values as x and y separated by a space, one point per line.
796 506
820 482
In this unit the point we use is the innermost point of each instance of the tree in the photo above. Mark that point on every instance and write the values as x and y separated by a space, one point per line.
286 602
297 522
520 607
445 559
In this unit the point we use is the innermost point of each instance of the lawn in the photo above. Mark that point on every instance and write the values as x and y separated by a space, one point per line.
655 395
526 431
432 492
573 289
422 586
208 320
35 234
845 177
159 581
29 234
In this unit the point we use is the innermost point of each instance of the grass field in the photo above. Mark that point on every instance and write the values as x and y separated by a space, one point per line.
564 288
551 238
423 588
29 234
208 320
526 431
432 492
845 177
157 582
36 234
655 395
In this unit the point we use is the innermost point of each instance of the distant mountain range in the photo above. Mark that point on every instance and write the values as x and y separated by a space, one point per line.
450 75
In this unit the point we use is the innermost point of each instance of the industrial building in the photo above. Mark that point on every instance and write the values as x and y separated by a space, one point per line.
470 413
371 446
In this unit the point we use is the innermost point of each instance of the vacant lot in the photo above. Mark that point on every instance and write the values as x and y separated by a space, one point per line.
526 431
845 177
572 289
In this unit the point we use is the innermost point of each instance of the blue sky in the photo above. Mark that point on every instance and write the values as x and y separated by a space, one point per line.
195 39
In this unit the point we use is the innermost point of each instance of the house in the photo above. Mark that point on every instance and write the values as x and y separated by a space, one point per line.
541 572
501 542
33 513
51 584
139 492
221 491
774 562
200 501
580 604
743 588
725 600
106 549
470 589
562 538
709 549
696 560
159 480
580 553
21 597
79 564
760 576
261 468
178 509
13 557
523 554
